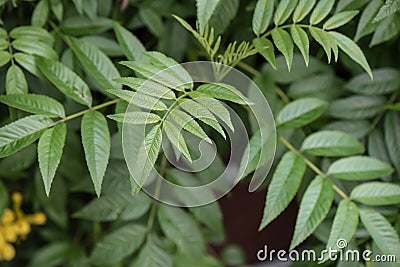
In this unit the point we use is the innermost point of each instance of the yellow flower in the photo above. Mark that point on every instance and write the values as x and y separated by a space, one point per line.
17 198
9 233
8 216
37 218
23 227
7 252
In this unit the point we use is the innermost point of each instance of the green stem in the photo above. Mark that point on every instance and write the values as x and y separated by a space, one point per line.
153 211
311 165
76 115
381 114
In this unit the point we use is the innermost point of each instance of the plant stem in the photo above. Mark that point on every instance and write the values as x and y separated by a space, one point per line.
381 114
311 165
152 216
76 115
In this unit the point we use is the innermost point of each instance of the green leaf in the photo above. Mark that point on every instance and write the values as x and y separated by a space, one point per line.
324 39
356 128
303 8
331 144
211 217
301 112
152 20
376 193
217 108
147 87
392 137
352 50
344 224
314 207
223 14
15 81
67 81
284 43
358 168
160 74
390 7
395 106
4 197
300 38
118 244
343 5
50 149
78 6
78 25
52 254
176 138
339 19
31 32
148 154
321 86
110 47
21 133
266 48
258 151
283 11
262 16
136 117
153 254
32 47
200 112
119 205
383 234
386 80
377 147
130 44
139 99
205 9
28 62
32 103
96 144
40 13
365 25
171 67
95 62
188 123
386 30
356 107
222 91
4 58
284 185
321 10
3 34
178 226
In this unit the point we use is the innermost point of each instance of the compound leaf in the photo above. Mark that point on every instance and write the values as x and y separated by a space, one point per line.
284 43
331 144
357 168
314 207
284 185
50 149
95 62
36 104
118 244
301 112
21 133
376 193
262 16
67 81
96 144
